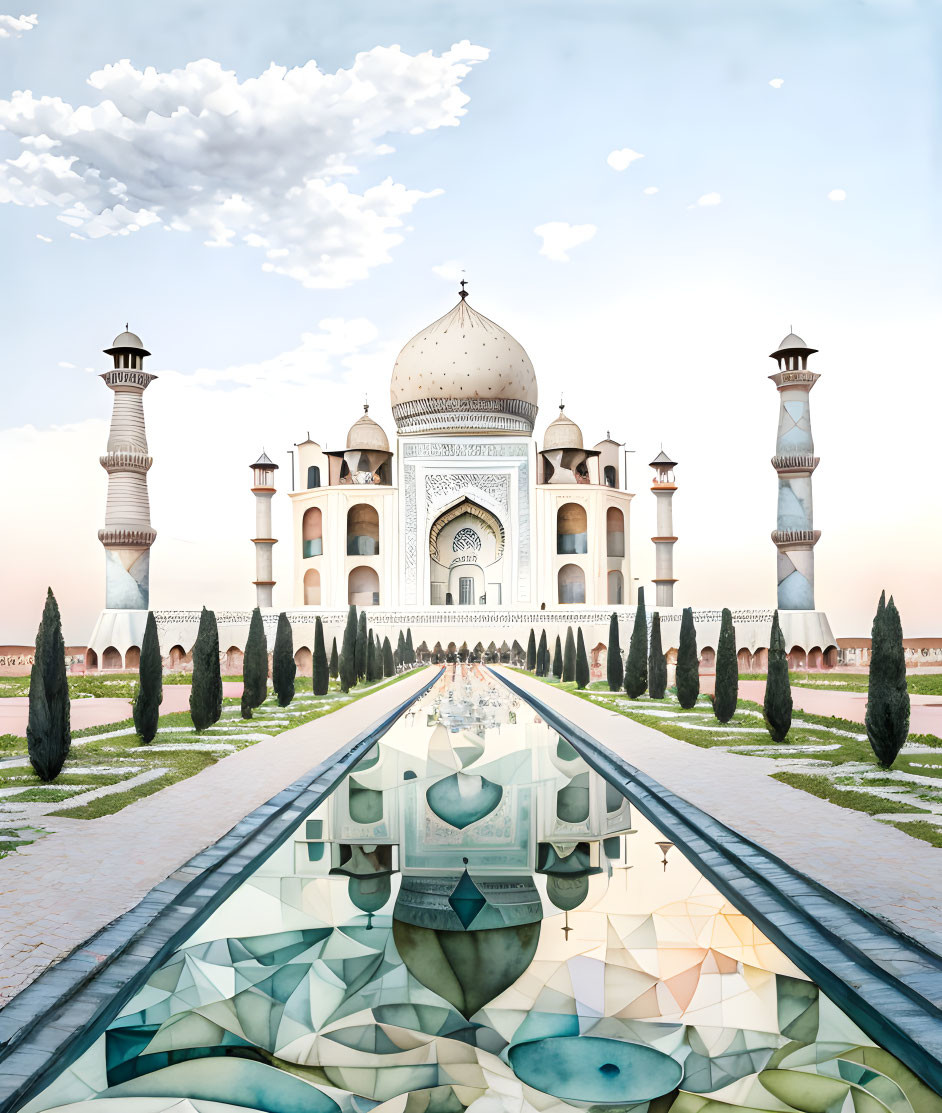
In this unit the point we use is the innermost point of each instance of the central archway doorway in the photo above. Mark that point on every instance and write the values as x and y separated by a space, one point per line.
466 553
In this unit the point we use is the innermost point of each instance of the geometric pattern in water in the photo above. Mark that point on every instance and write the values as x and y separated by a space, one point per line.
534 956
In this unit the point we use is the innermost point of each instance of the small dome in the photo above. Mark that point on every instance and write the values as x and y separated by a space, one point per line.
125 340
562 433
463 372
792 341
366 436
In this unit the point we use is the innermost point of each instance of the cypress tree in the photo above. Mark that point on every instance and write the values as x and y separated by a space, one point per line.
887 718
400 647
777 705
348 667
48 730
206 690
582 661
636 666
283 668
726 685
558 659
254 667
569 657
334 667
389 664
688 662
374 664
531 651
542 656
150 689
320 680
410 652
363 648
615 668
657 662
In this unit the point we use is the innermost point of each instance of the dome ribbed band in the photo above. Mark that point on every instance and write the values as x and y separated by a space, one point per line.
510 414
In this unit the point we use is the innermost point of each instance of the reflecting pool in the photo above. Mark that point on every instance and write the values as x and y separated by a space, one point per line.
474 919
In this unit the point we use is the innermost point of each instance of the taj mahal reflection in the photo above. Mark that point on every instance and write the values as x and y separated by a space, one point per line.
475 919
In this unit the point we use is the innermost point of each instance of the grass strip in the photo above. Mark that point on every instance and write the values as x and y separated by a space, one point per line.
826 789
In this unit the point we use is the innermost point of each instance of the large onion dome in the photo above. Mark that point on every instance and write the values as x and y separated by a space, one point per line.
463 373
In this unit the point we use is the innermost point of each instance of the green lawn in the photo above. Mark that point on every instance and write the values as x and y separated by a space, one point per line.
121 758
843 762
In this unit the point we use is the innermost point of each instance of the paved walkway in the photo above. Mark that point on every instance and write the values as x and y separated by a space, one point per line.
874 866
925 711
57 892
97 712
925 714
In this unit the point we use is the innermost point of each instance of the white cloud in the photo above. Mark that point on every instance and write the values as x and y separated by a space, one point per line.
451 270
622 159
706 200
45 239
12 27
64 363
837 195
559 238
263 162
777 82
650 190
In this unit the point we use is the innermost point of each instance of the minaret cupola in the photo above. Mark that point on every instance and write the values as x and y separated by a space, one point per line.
565 460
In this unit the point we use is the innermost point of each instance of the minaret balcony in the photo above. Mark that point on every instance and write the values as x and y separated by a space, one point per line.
795 463
126 461
784 379
796 538
132 538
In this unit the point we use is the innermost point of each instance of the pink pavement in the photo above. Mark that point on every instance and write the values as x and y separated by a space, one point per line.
925 711
93 712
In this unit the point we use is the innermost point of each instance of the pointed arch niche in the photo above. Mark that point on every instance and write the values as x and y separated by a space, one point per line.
466 557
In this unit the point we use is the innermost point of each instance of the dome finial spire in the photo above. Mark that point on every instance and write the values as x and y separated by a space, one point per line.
463 293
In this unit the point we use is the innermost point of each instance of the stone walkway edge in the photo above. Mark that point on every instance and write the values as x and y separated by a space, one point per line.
59 1015
887 982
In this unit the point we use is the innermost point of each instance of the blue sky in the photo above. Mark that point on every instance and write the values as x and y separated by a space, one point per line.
657 327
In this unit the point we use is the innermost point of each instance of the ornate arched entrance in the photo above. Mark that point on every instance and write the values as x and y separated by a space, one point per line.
466 552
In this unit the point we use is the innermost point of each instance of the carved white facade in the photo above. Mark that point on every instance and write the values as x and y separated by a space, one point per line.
536 526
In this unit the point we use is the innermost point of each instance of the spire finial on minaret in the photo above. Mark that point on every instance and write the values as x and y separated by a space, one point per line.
463 293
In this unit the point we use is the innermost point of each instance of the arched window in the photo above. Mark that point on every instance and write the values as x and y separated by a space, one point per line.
91 659
363 587
177 656
571 529
235 660
313 476
132 659
312 543
571 581
304 660
609 477
111 658
616 588
362 530
312 588
614 532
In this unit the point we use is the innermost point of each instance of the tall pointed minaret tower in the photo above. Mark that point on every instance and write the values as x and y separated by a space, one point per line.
794 460
128 534
664 488
263 488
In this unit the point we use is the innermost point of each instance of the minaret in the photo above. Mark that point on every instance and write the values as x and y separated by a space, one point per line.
128 535
794 460
664 488
263 487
